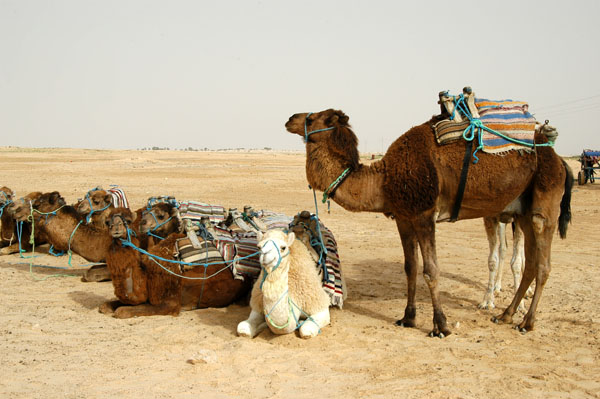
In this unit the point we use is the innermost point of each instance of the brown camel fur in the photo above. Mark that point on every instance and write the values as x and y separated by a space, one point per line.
19 211
65 231
416 182
100 202
124 263
7 223
166 293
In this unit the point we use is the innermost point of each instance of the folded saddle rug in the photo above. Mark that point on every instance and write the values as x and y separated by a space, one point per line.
507 117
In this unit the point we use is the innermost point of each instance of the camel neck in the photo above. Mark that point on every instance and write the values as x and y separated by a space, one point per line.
276 304
359 189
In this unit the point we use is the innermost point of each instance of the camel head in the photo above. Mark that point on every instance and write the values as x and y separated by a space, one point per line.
118 222
96 200
20 209
6 195
161 219
274 245
330 129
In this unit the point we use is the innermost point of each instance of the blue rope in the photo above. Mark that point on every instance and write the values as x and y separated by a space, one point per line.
92 210
51 252
179 262
477 126
279 259
322 263
307 133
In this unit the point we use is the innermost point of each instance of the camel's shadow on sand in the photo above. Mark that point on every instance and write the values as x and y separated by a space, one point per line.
387 283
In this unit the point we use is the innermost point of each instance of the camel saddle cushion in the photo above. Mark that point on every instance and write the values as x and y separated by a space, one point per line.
206 253
508 117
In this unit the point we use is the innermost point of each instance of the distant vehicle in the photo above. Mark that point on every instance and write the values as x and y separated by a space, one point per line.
590 163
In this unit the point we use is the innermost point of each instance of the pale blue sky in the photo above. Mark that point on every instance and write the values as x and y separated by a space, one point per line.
222 74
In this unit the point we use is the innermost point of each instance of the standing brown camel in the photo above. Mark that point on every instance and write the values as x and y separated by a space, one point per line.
416 183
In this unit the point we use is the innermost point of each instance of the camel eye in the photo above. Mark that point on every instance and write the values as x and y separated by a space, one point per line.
96 202
161 217
283 248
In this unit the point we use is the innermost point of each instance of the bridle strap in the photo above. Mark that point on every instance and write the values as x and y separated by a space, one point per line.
307 133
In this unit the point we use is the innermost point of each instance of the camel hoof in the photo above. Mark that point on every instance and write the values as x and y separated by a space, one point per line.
309 331
495 320
106 308
439 334
122 313
489 305
244 330
96 273
405 323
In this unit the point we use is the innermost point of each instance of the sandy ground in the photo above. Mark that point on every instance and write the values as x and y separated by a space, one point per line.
55 344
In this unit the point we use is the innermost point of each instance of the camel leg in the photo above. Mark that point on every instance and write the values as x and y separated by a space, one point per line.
253 326
110 307
96 273
312 326
517 263
495 242
425 229
410 247
168 307
10 249
528 273
501 255
543 230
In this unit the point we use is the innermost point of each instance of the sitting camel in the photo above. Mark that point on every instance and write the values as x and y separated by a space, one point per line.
287 291
65 231
95 207
7 223
13 227
167 288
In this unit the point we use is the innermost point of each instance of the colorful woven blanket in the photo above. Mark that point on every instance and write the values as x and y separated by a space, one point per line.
332 279
508 117
240 249
196 210
119 198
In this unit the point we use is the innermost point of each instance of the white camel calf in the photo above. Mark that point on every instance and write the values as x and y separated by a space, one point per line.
288 294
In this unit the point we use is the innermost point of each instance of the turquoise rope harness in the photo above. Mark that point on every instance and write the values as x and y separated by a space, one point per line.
291 303
307 133
476 126
88 218
158 225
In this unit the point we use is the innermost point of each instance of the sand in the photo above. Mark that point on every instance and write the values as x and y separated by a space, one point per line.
55 344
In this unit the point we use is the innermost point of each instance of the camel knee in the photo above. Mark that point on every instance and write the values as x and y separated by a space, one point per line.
251 327
538 223
312 326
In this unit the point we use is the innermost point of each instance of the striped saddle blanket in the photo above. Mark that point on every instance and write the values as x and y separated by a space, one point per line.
239 250
119 199
508 117
195 210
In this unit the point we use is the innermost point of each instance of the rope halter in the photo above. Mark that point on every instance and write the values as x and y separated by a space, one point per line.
158 225
88 218
279 259
307 133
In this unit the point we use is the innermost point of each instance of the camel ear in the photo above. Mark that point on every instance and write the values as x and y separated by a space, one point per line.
290 238
108 199
173 212
259 235
54 197
338 118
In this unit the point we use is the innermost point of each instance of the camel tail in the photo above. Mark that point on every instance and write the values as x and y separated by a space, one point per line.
565 203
